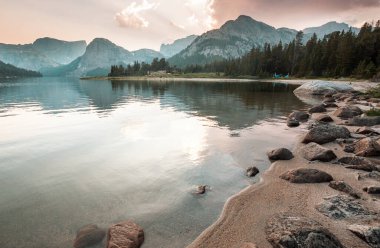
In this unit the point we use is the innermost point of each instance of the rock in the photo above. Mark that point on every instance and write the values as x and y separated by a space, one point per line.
322 88
324 118
280 154
289 231
325 133
374 175
344 187
370 234
358 163
367 147
341 207
362 121
372 190
252 171
88 236
201 189
366 131
299 115
347 112
317 109
292 123
125 235
305 175
349 148
328 100
313 151
330 105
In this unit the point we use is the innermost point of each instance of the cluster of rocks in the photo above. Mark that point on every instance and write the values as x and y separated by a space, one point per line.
126 234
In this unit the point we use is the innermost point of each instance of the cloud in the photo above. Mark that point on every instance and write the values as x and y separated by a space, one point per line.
133 15
201 13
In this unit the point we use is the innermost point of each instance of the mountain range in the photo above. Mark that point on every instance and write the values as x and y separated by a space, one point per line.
7 70
235 38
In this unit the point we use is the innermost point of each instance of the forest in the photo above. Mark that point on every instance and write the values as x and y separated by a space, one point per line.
7 70
140 69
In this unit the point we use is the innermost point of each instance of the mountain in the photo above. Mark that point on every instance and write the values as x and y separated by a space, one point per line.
232 40
100 54
329 28
45 52
169 50
7 70
236 38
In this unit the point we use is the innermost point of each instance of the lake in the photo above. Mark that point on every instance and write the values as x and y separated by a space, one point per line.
99 152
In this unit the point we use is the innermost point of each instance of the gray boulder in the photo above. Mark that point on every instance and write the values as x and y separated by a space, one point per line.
367 121
280 154
88 236
370 234
324 133
289 231
344 187
292 123
322 88
347 112
305 175
313 151
317 109
341 207
299 115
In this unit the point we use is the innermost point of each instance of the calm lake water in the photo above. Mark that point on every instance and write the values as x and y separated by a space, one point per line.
80 152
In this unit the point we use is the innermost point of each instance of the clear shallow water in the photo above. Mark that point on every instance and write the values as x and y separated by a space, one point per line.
78 152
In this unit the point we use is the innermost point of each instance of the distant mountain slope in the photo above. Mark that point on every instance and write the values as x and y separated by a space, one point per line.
7 70
45 52
100 54
329 28
238 37
232 40
169 50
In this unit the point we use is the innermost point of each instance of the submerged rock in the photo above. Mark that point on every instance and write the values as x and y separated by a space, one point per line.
201 189
370 234
125 235
289 231
292 123
344 187
313 151
280 154
305 175
347 112
367 147
341 207
325 133
252 171
88 236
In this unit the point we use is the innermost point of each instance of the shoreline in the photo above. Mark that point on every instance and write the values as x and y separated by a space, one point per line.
243 220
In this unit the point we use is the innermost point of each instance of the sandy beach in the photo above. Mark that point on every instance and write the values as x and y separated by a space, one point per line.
245 216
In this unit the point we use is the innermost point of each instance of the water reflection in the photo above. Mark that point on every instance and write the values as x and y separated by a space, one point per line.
78 152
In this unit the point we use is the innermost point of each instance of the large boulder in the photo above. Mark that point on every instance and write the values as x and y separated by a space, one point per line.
88 236
344 187
313 151
305 175
341 207
280 154
299 115
289 231
358 163
347 112
322 88
367 121
125 235
325 133
367 147
370 234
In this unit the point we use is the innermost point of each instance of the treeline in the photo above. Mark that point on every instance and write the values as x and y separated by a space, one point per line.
340 54
8 70
140 69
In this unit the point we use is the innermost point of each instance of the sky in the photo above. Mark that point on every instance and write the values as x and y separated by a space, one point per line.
135 24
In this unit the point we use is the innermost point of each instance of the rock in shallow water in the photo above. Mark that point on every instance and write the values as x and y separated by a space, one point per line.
305 175
292 123
88 236
252 171
313 151
280 154
125 235
325 133
299 115
288 231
